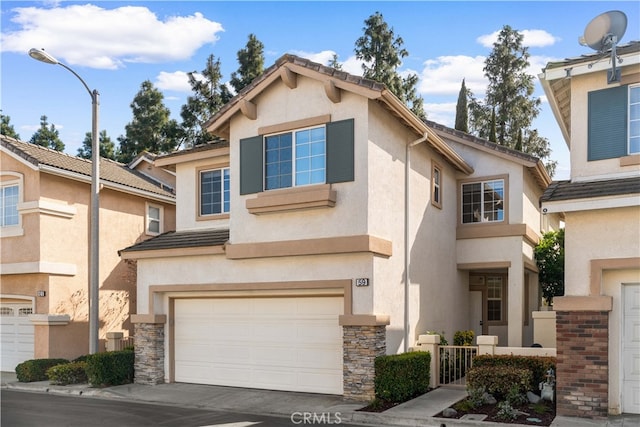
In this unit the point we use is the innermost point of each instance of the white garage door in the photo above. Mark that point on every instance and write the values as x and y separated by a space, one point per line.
292 344
631 349
16 335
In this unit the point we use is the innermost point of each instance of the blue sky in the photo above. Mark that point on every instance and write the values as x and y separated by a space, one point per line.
116 45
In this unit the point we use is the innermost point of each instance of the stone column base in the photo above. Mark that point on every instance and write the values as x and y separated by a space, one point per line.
149 349
361 345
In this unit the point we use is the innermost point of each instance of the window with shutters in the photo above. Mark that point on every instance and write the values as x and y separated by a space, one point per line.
634 119
314 155
614 122
294 159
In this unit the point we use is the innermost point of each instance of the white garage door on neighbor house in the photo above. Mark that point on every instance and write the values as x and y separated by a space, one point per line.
292 344
16 335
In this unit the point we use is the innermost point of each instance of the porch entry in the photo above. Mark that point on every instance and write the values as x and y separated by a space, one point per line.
488 303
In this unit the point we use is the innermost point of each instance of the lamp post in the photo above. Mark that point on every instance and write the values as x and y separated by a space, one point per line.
94 253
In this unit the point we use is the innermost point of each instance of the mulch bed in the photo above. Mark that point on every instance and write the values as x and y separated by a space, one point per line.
546 417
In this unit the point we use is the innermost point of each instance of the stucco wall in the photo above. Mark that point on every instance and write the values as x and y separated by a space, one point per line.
580 87
62 241
593 235
348 217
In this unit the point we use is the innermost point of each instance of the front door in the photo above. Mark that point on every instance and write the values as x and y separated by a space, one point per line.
475 313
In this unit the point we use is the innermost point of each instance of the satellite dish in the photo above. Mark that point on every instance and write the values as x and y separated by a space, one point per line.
603 33
605 30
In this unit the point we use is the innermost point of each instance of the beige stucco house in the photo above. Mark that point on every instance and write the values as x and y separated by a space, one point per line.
44 248
598 330
330 227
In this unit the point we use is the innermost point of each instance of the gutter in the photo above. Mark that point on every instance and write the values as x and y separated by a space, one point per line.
407 169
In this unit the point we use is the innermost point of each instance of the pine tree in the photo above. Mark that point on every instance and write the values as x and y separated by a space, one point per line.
209 96
492 131
510 88
509 99
47 136
462 112
334 63
6 128
251 60
382 52
107 147
151 128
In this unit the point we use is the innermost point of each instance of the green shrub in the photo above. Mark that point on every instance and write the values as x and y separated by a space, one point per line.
82 358
69 373
506 411
36 369
110 368
500 381
401 377
538 365
463 337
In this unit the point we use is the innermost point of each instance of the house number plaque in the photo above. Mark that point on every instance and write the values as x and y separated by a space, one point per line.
362 282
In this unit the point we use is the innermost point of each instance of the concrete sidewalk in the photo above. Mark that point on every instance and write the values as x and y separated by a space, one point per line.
417 412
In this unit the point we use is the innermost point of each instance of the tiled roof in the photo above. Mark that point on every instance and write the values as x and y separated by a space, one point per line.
110 171
481 141
303 62
182 239
198 148
624 49
567 190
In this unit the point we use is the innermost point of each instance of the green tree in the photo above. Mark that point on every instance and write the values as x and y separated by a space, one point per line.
47 136
549 254
107 147
6 128
151 128
334 63
462 112
382 52
251 60
209 95
492 130
510 95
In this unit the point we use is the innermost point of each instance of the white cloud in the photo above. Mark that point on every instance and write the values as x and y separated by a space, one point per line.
530 38
323 57
178 81
443 113
91 36
443 75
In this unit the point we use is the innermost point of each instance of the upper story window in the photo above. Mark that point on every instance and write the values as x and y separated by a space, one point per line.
614 122
215 191
9 198
634 119
154 219
436 185
483 201
295 158
305 152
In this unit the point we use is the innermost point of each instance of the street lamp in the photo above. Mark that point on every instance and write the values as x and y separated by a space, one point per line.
94 253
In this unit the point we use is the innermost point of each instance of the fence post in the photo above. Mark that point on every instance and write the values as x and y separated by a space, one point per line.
431 343
487 344
113 340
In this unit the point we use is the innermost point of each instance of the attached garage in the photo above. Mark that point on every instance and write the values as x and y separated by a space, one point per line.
16 335
277 343
631 349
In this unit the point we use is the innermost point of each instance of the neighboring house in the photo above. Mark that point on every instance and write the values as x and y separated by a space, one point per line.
331 227
598 319
44 198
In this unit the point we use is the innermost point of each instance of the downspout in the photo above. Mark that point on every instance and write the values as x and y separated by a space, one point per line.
407 168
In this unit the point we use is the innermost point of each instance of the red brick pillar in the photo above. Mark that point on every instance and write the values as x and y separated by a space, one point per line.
582 376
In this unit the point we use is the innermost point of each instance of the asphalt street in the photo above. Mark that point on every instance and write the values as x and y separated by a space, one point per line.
24 409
